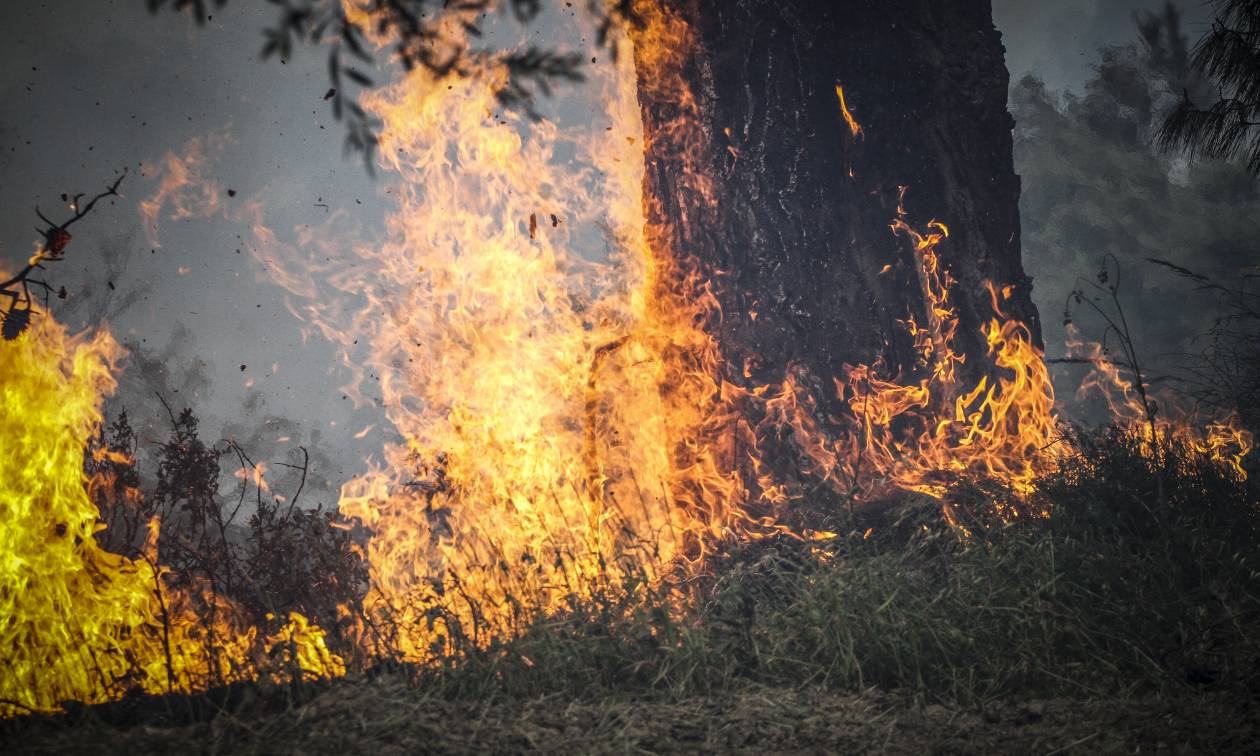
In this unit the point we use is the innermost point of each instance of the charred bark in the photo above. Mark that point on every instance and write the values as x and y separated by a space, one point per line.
796 233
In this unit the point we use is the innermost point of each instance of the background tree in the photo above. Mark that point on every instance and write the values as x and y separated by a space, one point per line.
1228 55
1096 182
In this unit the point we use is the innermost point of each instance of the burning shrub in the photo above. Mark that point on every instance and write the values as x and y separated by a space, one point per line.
304 560
282 559
115 487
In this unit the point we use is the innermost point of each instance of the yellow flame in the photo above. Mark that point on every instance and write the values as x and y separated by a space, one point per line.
523 370
78 622
539 346
538 333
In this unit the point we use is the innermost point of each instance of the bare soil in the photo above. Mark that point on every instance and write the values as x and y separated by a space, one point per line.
385 716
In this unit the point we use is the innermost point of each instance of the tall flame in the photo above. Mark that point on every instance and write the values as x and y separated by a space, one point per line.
510 319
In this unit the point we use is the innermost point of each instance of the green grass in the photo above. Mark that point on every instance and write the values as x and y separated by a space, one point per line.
1141 588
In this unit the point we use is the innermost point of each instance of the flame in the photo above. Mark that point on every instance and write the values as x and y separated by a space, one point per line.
519 359
184 185
854 127
76 621
1224 441
915 435
567 423
255 474
1220 438
1003 427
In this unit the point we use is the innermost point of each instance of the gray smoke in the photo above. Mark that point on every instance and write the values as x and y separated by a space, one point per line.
1095 184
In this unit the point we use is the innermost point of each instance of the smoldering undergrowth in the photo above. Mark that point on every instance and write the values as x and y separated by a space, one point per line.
1142 579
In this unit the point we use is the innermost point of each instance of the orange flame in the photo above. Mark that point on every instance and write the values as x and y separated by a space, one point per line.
1003 427
184 186
519 359
854 127
1221 439
566 422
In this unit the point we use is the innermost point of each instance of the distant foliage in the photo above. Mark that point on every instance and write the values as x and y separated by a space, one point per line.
1096 182
1228 55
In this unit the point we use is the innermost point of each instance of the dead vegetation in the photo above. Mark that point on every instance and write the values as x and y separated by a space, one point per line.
1125 621
387 715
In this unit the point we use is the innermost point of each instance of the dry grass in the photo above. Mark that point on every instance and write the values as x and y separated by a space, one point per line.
1129 621
389 715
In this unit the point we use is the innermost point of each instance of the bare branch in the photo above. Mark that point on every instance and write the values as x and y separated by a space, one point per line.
17 315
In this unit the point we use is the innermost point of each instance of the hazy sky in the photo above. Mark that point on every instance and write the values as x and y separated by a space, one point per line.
1058 39
91 86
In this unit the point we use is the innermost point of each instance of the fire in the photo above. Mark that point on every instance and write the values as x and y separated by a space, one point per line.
854 127
76 621
184 185
1002 427
524 364
567 420
1221 439
541 350
542 342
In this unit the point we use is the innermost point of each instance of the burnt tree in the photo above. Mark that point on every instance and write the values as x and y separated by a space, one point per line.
797 231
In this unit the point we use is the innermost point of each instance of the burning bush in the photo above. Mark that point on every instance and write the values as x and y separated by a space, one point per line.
258 556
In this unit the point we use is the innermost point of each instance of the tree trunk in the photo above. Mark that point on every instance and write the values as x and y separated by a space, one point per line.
792 221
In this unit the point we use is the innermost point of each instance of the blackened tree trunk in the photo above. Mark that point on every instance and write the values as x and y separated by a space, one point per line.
796 233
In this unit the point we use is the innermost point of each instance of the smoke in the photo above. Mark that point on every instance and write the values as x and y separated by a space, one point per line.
105 284
186 183
296 453
168 371
1095 184
6 156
